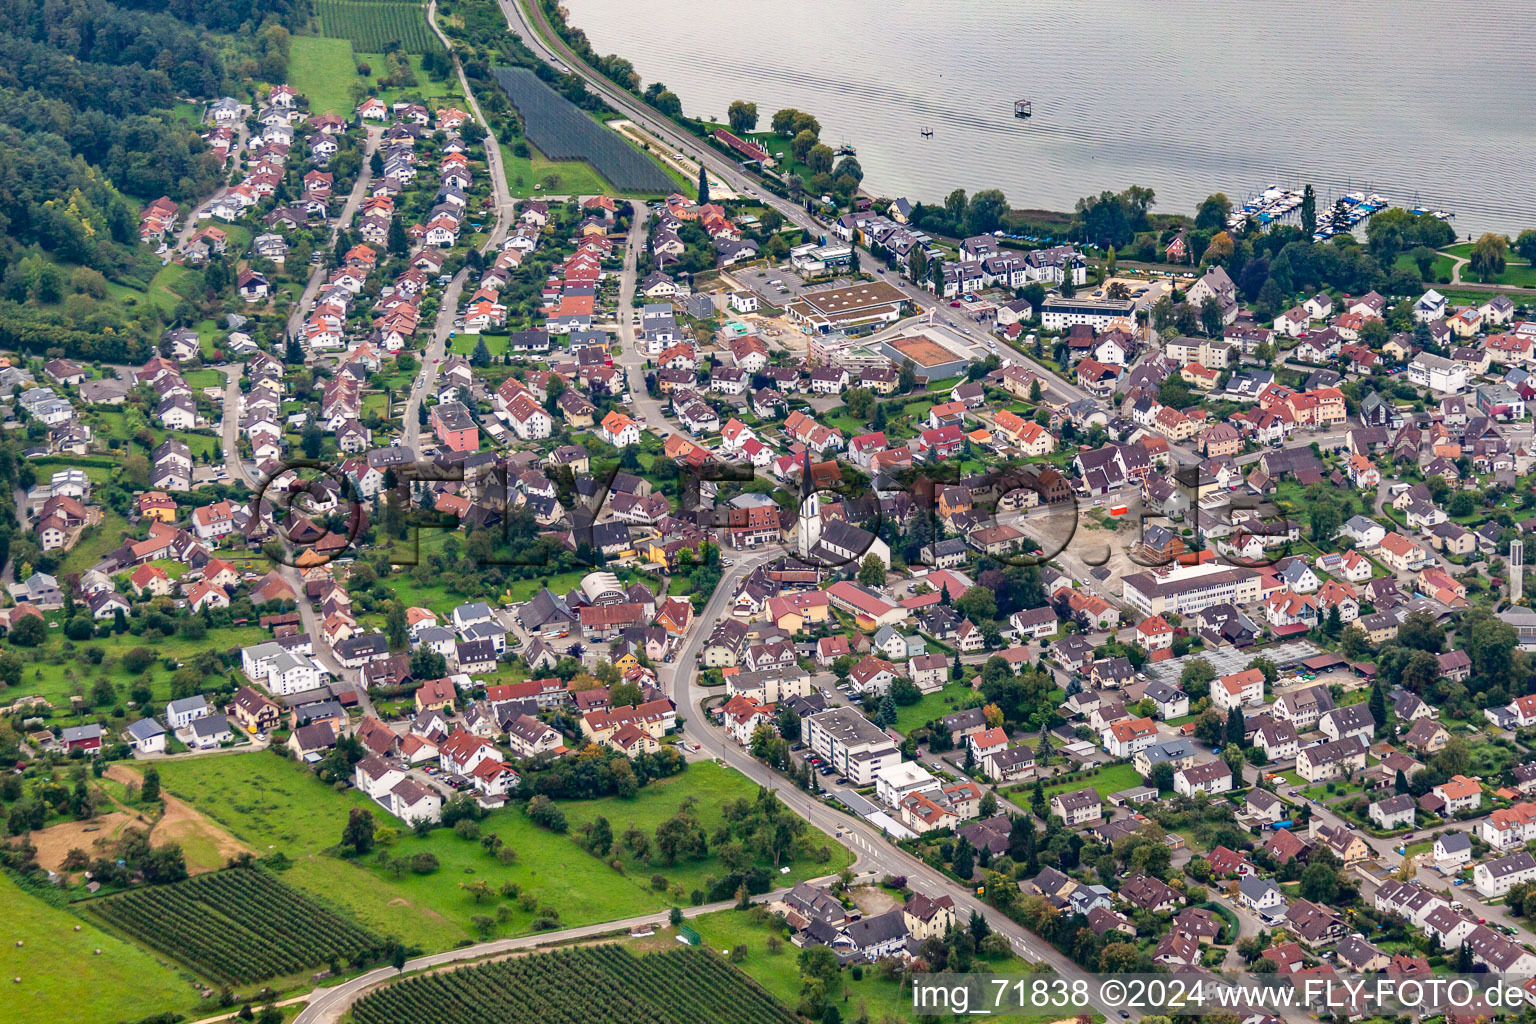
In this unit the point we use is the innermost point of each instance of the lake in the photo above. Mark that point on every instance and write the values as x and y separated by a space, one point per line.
1187 97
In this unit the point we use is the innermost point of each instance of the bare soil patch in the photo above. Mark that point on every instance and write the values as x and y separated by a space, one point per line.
54 842
873 901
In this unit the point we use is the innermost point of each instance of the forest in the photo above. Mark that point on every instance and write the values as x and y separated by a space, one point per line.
98 107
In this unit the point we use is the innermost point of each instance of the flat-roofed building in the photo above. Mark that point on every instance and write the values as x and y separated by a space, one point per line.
1190 589
853 745
860 305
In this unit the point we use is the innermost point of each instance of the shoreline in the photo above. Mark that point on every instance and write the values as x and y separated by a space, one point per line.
896 166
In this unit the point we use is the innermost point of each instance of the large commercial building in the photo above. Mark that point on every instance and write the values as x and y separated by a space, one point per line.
852 744
1190 589
848 309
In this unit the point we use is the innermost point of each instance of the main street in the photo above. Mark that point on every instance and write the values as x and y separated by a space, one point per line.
877 855
236 156
631 350
876 852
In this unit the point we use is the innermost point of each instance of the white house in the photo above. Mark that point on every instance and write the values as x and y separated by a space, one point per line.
292 673
146 736
1430 307
1210 778
1496 877
182 713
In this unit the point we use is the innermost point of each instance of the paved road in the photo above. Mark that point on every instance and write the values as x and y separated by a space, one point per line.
632 354
425 384
504 200
877 856
1460 263
876 853
327 1005
233 462
349 210
238 470
193 222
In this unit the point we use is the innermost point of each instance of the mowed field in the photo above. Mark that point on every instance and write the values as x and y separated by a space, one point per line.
536 174
63 978
324 70
272 804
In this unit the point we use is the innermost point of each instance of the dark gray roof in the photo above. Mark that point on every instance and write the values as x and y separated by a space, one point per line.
145 728
209 726
872 931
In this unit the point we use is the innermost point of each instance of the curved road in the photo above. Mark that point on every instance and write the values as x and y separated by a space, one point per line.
875 852
327 1005
541 39
876 855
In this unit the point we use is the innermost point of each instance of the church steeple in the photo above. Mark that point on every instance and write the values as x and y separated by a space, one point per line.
810 509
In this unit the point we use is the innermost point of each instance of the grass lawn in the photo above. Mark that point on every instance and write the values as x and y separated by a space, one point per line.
201 444
421 595
162 287
58 673
438 598
62 978
535 174
96 543
1442 266
523 590
953 697
322 70
378 403
203 379
275 804
1110 780
464 344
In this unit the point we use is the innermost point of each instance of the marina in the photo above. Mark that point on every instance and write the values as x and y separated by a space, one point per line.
1277 204
1347 213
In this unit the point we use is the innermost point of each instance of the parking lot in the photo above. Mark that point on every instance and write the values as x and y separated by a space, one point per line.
780 285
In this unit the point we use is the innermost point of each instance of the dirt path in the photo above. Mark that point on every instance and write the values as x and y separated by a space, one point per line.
205 845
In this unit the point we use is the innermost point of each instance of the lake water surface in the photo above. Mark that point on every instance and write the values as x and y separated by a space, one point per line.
1426 103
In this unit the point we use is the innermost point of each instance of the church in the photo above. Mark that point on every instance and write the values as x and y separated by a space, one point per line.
831 544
